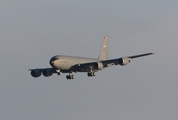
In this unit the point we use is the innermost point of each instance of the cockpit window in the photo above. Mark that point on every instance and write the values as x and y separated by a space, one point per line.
54 58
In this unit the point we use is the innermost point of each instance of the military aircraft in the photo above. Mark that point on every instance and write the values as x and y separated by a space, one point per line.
69 64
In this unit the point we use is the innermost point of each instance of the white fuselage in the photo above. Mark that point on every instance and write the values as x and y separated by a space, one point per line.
66 62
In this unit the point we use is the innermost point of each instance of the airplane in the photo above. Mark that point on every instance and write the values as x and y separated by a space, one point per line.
69 64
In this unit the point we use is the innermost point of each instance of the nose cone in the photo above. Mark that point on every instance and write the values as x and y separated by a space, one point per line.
52 61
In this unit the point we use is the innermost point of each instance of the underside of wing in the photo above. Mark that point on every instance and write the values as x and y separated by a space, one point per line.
84 67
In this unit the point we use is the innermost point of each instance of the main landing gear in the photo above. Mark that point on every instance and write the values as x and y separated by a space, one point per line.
69 77
91 74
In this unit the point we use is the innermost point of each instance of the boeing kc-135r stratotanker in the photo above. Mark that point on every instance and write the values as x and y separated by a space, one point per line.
69 64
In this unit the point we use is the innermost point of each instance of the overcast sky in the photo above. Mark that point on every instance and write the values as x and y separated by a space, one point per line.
33 31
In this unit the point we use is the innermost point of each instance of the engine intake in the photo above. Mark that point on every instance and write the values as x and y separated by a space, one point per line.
36 72
98 65
47 72
123 61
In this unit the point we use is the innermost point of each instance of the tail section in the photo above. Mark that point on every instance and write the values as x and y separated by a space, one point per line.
104 50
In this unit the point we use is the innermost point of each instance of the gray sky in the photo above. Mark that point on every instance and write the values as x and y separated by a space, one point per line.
31 32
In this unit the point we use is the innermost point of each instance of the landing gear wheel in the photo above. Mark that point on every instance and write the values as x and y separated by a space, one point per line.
72 76
90 74
93 74
59 73
69 77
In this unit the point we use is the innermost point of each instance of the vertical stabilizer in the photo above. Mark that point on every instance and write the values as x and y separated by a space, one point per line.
104 50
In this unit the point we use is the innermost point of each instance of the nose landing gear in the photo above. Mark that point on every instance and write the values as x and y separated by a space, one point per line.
58 72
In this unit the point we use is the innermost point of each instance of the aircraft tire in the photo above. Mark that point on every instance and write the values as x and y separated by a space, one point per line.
72 76
93 73
90 74
69 77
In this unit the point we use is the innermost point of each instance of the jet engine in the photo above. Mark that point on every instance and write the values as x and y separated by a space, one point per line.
98 65
36 72
47 72
123 61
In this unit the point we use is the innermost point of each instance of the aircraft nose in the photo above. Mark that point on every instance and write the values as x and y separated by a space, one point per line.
52 61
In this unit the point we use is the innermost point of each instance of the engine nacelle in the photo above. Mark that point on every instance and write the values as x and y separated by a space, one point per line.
123 61
98 65
36 72
47 72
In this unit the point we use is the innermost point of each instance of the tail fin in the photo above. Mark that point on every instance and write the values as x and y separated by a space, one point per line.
104 50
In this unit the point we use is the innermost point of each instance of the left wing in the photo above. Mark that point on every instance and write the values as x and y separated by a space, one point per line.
124 60
99 65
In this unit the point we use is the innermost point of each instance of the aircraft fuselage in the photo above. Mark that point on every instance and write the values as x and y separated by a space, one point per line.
62 62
